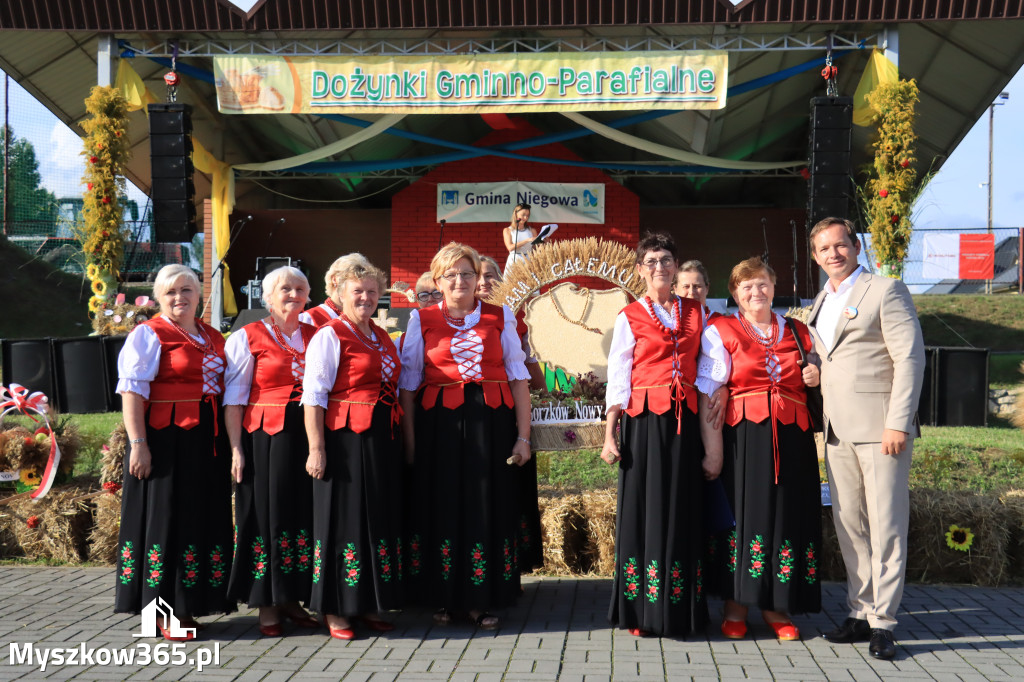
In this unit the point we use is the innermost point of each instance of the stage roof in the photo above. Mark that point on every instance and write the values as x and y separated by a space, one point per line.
961 53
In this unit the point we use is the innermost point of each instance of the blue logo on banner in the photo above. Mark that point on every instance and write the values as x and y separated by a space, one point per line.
449 197
588 198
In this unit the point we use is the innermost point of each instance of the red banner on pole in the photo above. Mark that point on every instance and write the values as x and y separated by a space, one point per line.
977 256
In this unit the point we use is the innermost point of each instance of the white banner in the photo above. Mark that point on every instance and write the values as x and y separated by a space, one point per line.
492 202
941 257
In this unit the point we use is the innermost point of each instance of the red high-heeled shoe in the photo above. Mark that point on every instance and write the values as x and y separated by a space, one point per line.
340 633
271 630
734 629
785 632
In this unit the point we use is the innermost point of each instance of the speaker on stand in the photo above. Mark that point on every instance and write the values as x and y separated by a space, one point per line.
27 362
81 375
112 346
172 192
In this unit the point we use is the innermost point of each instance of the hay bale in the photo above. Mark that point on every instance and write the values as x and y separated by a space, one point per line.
599 508
564 533
112 463
929 559
553 437
103 538
1013 501
61 523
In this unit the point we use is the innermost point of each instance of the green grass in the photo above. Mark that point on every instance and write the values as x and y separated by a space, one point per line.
994 322
94 431
1004 370
575 470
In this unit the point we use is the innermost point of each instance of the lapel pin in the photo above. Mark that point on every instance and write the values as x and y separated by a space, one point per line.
849 312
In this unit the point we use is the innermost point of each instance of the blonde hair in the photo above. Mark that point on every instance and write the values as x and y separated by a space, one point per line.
452 254
487 260
169 274
274 277
359 270
425 280
748 269
342 264
521 206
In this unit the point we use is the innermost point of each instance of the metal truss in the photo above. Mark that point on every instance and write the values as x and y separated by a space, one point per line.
766 42
417 172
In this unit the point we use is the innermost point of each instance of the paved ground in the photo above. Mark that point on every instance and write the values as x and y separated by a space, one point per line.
557 632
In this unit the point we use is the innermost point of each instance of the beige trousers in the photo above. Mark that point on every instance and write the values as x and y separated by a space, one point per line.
871 508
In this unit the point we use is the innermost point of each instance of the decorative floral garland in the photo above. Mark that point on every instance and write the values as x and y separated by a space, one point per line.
890 191
106 151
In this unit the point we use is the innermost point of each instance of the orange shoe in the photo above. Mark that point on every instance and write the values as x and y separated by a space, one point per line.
637 632
786 632
734 629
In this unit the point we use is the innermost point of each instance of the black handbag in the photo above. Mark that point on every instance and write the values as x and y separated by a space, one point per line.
815 403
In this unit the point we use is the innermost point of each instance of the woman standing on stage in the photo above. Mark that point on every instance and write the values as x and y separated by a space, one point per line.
330 309
350 396
273 501
658 586
518 235
467 418
175 537
770 465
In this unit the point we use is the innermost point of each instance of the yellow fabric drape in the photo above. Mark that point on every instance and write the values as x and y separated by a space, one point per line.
138 96
879 70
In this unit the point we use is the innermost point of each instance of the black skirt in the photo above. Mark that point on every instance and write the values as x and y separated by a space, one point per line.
274 517
465 523
175 537
358 552
659 531
770 560
530 550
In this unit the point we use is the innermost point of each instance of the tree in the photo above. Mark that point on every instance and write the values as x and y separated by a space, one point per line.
31 209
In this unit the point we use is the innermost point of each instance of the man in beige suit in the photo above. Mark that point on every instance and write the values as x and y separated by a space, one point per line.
872 365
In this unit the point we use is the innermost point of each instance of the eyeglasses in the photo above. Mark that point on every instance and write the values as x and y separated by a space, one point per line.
464 276
427 295
665 262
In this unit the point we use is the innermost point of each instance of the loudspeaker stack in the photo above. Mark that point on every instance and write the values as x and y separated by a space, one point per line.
173 194
829 187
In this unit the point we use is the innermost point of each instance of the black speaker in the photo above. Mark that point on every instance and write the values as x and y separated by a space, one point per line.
267 264
828 158
831 207
81 375
112 346
926 405
823 185
28 362
170 148
961 387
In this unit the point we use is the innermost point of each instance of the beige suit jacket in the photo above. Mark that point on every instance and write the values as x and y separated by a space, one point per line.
871 377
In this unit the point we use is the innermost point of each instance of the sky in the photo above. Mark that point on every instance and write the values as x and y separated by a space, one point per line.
956 198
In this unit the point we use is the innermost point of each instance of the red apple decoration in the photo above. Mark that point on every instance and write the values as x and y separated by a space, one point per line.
883 193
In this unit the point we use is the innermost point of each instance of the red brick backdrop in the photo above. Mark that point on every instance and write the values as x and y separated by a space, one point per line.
415 232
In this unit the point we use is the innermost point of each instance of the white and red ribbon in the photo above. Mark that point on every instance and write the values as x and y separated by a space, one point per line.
17 397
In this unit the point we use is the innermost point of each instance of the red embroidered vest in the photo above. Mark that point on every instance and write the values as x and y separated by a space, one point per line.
441 369
272 380
752 393
359 386
175 392
652 379
320 315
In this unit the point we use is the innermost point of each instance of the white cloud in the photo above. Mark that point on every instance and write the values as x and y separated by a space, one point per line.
65 148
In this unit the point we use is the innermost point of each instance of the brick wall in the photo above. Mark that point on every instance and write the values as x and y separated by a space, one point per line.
416 234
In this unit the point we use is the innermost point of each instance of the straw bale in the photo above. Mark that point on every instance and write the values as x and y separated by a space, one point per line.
111 465
1017 417
929 559
29 450
1013 501
103 537
548 437
63 524
564 533
599 508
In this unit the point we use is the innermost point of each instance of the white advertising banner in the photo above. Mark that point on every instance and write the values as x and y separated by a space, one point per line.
941 257
492 202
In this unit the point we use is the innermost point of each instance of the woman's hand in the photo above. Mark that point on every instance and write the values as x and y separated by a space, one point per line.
520 453
716 407
810 375
610 451
140 463
237 463
712 465
316 463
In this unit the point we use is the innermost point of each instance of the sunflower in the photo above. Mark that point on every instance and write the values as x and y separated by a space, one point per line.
29 477
99 287
959 538
91 271
96 304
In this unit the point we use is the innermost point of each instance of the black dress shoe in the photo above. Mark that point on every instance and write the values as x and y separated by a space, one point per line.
852 630
882 645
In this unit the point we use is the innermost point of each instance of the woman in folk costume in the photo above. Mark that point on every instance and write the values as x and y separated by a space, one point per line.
350 396
175 537
330 309
658 586
466 423
692 282
273 501
770 469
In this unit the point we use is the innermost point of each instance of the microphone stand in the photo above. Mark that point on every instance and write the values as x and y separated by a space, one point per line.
213 273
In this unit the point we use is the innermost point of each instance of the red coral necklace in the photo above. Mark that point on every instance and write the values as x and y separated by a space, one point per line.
205 348
677 316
